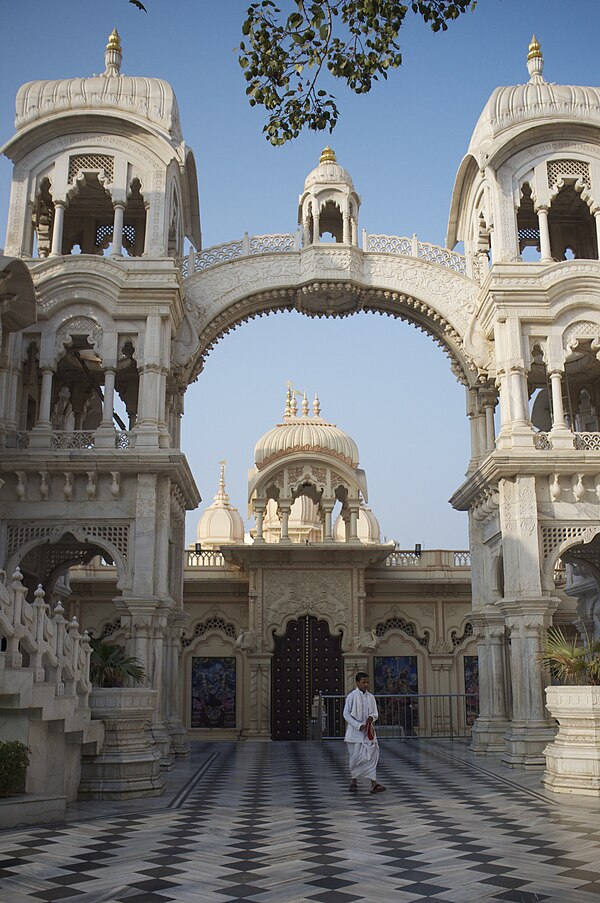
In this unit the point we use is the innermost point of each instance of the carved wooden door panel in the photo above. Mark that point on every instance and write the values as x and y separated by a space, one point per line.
306 660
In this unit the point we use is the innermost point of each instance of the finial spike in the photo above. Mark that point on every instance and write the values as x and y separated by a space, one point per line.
294 405
288 402
113 55
304 405
316 406
327 155
221 495
535 60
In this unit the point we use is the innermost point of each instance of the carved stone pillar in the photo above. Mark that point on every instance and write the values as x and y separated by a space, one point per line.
531 727
492 723
117 242
545 248
57 229
172 649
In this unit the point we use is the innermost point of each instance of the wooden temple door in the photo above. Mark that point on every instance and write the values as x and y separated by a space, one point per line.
307 660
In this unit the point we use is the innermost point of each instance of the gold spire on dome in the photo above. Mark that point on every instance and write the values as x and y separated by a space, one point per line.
328 155
535 62
114 41
535 51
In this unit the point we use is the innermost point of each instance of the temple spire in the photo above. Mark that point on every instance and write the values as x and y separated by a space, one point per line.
221 495
113 55
535 61
316 406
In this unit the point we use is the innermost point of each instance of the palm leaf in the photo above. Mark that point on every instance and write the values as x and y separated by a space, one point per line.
569 661
110 666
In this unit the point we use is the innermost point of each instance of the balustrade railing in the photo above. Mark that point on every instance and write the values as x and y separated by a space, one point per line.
204 559
55 650
428 558
277 243
402 716
75 439
581 441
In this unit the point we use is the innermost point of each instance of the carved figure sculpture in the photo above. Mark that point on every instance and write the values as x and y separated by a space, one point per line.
247 641
367 641
63 416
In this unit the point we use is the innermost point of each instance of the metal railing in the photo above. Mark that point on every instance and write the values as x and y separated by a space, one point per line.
406 716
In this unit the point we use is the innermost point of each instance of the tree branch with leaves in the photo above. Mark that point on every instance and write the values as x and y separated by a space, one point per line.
286 55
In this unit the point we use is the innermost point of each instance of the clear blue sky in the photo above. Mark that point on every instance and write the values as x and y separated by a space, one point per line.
380 380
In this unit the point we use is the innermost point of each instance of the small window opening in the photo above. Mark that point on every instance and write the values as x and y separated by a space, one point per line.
572 227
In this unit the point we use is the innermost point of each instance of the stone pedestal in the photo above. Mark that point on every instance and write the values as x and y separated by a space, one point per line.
573 758
129 764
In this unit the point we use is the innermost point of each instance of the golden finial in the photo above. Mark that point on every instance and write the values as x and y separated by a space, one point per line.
328 155
534 49
114 41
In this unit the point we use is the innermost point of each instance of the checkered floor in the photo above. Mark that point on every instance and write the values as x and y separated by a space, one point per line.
275 822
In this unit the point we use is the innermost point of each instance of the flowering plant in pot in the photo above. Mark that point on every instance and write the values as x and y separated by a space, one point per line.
573 758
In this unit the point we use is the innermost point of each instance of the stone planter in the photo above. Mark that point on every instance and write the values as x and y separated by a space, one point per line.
129 764
573 758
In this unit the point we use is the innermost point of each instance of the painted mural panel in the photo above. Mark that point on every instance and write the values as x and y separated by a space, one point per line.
213 691
397 676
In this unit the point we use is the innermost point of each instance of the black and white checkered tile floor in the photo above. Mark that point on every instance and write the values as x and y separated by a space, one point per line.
275 822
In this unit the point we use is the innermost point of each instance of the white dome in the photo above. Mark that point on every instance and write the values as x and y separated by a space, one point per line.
368 528
147 99
518 107
221 523
305 434
327 172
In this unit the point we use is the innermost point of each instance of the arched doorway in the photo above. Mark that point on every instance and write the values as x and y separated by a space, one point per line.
307 660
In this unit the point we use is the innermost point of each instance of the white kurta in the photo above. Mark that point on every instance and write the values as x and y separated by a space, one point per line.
363 754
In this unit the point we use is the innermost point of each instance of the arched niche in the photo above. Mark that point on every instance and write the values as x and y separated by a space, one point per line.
213 670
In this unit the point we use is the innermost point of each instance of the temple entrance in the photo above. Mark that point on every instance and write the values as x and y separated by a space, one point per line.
307 660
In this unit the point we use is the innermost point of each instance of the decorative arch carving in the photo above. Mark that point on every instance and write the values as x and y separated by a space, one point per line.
398 623
556 540
80 325
213 623
112 539
322 593
582 329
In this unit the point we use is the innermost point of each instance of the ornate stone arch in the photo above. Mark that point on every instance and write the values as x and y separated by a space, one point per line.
559 538
112 539
88 327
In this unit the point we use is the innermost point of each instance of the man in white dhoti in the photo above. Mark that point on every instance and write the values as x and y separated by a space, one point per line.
360 712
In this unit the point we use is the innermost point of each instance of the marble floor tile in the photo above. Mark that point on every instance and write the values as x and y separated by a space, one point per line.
274 823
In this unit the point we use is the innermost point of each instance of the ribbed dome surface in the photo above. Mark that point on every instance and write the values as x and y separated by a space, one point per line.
327 173
514 105
305 434
514 108
145 98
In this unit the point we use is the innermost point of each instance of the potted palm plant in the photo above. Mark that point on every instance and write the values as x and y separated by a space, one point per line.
573 758
129 763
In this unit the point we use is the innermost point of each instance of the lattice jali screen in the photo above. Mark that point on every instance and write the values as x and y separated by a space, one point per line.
19 535
212 623
458 639
116 535
553 537
565 169
397 623
95 162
